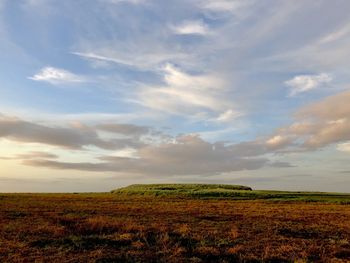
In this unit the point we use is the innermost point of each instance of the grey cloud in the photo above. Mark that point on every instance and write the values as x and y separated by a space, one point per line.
330 133
113 144
261 146
331 108
30 155
320 124
182 155
126 129
316 125
252 148
74 137
135 2
188 155
281 164
36 154
19 130
192 155
298 175
325 122
95 167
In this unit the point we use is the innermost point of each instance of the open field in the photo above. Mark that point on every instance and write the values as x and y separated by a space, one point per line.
146 228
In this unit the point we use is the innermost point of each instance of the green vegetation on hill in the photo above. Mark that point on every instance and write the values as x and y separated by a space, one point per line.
193 190
237 192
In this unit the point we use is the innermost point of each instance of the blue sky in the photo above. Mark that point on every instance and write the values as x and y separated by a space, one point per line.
99 94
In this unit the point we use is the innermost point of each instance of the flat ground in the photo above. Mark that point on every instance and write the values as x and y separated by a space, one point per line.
133 228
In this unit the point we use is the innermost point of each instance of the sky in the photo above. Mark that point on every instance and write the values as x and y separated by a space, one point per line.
99 94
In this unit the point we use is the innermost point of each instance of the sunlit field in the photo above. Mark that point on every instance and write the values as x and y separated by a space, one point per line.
129 227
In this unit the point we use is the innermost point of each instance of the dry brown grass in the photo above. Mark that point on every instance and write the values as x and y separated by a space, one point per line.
112 228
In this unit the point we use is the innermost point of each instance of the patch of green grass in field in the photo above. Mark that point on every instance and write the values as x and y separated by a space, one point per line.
237 192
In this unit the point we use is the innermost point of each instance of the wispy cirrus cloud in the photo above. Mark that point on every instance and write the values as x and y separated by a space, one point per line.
185 94
228 116
133 58
57 76
339 34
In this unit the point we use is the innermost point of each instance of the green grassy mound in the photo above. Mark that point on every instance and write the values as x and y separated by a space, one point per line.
200 190
237 192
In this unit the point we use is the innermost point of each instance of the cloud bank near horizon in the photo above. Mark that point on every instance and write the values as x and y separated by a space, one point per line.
316 126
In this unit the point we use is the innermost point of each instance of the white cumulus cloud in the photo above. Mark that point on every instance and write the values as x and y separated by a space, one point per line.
344 147
191 28
221 5
303 83
228 116
135 2
56 76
